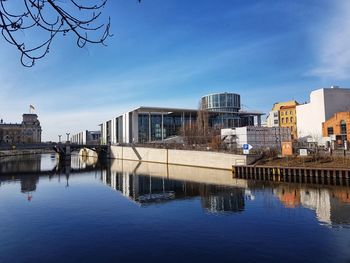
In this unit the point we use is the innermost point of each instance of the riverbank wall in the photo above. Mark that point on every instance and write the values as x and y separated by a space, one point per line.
206 159
5 153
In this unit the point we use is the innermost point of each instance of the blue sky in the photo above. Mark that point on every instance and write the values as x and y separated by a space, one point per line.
170 53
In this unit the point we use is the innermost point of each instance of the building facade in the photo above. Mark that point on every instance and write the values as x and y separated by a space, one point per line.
337 127
288 119
283 114
258 137
150 124
229 105
324 103
29 131
86 137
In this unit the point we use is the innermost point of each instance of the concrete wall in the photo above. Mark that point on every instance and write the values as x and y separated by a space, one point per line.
180 157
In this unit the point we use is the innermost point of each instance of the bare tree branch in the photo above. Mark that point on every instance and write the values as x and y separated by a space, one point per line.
52 17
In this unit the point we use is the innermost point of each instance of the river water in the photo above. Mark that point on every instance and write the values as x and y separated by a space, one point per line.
126 211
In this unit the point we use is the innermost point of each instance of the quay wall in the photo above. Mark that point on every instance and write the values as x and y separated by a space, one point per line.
5 153
205 159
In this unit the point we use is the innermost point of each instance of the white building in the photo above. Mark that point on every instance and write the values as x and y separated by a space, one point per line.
272 119
151 124
324 103
86 137
258 137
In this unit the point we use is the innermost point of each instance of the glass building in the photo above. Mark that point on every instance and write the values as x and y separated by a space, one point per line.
224 102
149 124
227 107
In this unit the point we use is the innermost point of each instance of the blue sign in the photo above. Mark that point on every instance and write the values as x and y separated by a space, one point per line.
246 146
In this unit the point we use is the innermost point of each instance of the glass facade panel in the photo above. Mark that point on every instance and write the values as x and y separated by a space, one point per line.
222 102
143 123
172 125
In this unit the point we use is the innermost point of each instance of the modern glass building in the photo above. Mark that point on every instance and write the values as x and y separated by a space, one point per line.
228 107
146 124
149 124
224 102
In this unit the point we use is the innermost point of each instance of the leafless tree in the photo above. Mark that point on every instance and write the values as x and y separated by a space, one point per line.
54 18
200 132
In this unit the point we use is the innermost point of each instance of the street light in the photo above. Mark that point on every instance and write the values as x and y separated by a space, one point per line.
59 138
67 136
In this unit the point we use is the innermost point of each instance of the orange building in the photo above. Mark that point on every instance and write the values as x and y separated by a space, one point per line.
338 126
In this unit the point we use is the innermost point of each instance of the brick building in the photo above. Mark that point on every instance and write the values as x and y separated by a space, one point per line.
337 126
29 131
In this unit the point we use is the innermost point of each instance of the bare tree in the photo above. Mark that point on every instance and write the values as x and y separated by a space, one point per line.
200 132
54 18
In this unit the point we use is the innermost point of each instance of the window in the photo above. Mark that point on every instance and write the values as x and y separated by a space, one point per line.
275 121
330 131
287 120
290 112
291 119
343 127
282 113
282 120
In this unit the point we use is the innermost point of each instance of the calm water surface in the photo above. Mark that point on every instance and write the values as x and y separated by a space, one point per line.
132 212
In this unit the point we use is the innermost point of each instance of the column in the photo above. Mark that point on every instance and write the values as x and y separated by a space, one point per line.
149 127
162 126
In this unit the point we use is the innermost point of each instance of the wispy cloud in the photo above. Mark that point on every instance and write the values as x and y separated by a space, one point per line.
333 44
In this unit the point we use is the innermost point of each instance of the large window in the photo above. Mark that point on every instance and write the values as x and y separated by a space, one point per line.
343 131
330 131
343 127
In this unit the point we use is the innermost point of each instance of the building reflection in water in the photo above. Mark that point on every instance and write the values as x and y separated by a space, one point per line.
28 169
331 205
150 183
145 184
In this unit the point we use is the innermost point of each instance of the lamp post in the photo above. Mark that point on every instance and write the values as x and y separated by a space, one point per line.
59 138
67 136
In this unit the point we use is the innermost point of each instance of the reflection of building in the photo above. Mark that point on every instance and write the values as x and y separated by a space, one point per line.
147 189
86 137
146 124
29 163
324 103
290 197
219 199
28 183
283 114
29 131
337 126
332 206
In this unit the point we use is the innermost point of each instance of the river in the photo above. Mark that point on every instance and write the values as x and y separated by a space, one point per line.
125 211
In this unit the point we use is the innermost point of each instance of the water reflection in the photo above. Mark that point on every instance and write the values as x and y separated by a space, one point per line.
332 206
148 184
147 189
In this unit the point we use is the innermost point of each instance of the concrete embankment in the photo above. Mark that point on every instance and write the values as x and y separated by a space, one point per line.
5 153
205 159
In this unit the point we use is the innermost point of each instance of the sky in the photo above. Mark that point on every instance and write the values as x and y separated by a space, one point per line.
170 53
